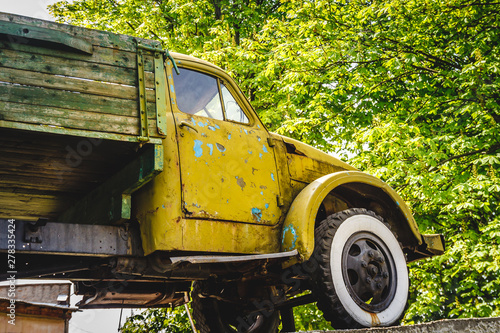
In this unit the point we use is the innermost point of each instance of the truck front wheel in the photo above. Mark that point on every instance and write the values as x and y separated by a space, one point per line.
362 277
214 315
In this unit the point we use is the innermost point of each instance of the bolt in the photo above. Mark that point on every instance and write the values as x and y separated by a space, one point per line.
368 280
371 254
385 275
380 259
373 270
379 285
364 264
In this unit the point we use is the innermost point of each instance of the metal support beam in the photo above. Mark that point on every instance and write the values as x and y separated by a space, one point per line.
68 238
287 320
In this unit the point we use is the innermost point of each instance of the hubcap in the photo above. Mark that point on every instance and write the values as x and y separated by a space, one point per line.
369 271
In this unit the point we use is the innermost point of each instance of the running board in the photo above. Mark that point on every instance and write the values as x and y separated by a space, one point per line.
231 259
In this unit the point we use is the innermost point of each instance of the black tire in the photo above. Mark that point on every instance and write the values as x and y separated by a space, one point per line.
215 316
362 276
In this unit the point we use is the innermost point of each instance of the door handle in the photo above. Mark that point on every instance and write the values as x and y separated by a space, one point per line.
186 124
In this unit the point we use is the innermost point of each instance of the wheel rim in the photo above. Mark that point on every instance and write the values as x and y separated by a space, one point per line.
369 272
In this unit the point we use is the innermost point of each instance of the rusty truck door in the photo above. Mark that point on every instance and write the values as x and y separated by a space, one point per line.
228 169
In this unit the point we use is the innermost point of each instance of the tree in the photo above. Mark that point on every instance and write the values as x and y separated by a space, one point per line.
159 320
409 90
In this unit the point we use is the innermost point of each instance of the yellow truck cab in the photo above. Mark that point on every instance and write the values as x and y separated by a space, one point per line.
146 176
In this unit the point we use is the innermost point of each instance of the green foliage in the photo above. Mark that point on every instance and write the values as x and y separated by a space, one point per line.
159 320
308 317
410 90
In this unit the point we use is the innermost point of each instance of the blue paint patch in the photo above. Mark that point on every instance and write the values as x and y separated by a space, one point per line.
264 148
173 101
258 138
257 214
272 176
201 124
229 137
261 193
244 130
250 152
172 87
194 121
260 155
163 206
211 146
267 206
198 151
291 229
216 126
212 128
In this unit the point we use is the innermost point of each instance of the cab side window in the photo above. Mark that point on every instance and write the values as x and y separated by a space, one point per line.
232 108
198 94
204 95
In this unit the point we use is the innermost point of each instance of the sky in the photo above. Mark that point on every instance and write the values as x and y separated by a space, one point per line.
86 321
32 8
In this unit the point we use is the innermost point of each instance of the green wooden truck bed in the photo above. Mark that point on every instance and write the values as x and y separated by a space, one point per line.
76 107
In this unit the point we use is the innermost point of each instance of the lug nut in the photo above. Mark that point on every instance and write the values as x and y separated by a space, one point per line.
380 259
368 280
364 264
385 275
371 254
379 285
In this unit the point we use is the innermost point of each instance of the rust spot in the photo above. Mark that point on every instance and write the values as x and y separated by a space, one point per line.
204 214
253 170
375 319
241 183
263 187
220 147
153 211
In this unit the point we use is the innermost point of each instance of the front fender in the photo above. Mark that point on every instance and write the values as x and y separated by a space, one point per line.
298 228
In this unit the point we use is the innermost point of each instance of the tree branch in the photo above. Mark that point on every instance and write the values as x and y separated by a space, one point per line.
489 150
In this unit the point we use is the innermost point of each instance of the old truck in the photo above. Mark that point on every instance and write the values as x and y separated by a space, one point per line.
147 179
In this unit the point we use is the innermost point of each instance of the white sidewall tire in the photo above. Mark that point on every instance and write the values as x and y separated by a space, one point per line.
366 223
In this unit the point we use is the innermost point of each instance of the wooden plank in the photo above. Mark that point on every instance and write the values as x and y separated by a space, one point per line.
55 37
68 100
74 132
96 37
20 206
36 79
57 171
101 55
19 113
101 122
28 182
72 68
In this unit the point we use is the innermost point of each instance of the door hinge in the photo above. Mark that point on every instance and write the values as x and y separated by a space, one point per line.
270 142
279 200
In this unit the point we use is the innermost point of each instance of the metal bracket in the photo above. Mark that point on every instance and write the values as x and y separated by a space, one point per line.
161 94
32 231
160 88
143 114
